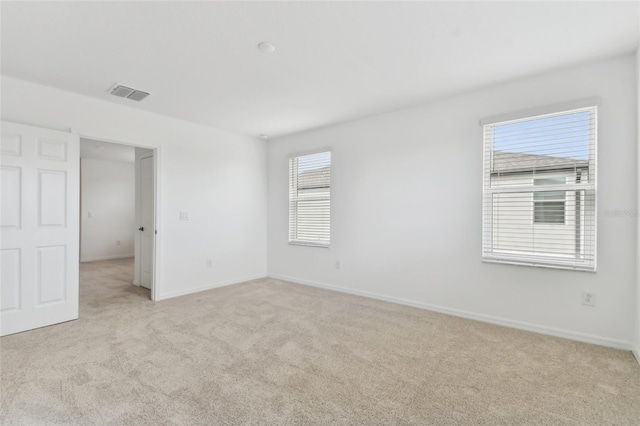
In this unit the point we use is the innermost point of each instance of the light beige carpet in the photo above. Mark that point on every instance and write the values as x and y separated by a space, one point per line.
271 352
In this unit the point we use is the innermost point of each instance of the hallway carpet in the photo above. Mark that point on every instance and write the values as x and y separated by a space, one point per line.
271 352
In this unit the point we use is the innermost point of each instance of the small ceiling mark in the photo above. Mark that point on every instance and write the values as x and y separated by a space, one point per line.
266 47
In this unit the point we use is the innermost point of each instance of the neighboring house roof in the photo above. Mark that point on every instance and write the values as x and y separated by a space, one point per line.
515 162
315 178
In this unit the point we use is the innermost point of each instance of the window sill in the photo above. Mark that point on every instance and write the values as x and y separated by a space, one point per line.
541 263
309 244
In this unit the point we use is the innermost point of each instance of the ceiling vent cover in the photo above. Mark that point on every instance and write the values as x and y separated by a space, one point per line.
129 93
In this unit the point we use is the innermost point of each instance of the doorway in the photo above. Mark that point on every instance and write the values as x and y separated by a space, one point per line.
123 189
41 207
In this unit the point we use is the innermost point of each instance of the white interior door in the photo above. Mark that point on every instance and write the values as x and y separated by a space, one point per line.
147 222
40 227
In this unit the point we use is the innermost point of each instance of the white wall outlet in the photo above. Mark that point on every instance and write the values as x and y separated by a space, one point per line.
185 216
209 263
588 298
90 215
118 242
337 264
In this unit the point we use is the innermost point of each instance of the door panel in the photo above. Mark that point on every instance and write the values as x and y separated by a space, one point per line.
10 295
52 276
11 143
49 149
147 221
40 203
52 191
11 189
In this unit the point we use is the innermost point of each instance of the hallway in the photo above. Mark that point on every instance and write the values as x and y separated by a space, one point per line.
106 285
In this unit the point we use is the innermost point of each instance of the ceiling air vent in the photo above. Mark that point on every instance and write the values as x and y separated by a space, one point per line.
129 93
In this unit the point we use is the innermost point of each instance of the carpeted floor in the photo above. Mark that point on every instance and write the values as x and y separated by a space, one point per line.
271 352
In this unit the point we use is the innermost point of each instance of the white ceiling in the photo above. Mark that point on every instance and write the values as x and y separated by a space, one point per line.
334 61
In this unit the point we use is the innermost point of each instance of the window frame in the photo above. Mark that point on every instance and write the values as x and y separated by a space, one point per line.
550 260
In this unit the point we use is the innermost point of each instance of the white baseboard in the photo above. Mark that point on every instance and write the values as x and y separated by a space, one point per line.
551 331
117 256
208 287
636 352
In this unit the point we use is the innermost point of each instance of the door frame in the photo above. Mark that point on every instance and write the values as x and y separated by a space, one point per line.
156 279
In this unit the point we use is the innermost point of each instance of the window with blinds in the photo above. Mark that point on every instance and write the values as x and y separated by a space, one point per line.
539 200
310 199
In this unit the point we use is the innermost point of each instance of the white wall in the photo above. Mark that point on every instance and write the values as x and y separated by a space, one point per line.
219 177
107 213
403 232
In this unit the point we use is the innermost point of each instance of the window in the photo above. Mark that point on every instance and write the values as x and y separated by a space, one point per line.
539 201
310 199
549 207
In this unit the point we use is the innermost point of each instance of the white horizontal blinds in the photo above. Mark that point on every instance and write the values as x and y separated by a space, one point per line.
310 199
539 203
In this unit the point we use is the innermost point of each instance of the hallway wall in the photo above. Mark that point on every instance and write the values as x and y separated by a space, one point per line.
107 209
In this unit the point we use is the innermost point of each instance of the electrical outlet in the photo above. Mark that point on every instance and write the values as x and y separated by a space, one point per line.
209 263
337 264
185 216
588 298
118 242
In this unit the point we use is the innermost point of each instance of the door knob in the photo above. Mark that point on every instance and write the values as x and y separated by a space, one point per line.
141 228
